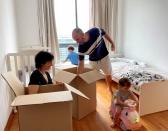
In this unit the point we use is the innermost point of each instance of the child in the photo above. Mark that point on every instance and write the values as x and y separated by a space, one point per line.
43 63
72 56
123 93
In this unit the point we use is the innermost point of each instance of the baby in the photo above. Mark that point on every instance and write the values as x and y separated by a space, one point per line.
122 94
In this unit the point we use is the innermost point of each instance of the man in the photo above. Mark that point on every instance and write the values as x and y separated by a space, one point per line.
92 43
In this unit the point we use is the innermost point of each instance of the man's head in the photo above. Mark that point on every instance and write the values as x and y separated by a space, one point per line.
78 35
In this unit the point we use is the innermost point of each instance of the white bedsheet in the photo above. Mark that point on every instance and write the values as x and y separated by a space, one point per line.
120 67
124 68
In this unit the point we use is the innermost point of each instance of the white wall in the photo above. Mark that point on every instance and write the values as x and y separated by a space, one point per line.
144 33
27 22
7 44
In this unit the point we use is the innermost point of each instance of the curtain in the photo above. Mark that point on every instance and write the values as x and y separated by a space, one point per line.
103 13
47 27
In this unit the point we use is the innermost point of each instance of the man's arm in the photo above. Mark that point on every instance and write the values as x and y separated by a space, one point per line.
111 41
80 67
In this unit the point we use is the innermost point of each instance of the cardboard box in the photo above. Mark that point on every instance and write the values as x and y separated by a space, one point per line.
86 83
48 110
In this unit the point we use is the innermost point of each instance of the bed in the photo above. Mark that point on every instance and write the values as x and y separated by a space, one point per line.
148 83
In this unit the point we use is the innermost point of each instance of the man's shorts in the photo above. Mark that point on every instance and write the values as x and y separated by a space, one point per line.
104 65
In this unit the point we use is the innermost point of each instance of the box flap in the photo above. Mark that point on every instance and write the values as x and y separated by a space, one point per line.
70 88
64 76
14 83
91 76
42 98
63 66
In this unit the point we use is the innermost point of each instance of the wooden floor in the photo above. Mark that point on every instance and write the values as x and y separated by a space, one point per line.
100 121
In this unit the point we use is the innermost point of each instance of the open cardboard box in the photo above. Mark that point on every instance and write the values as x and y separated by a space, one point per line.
85 82
48 109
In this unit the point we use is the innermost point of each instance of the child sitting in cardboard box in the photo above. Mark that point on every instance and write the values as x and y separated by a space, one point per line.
43 63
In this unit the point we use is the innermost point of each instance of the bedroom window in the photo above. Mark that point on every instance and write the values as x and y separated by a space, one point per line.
70 14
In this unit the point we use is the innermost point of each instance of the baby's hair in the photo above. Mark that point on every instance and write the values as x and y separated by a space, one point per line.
70 47
124 82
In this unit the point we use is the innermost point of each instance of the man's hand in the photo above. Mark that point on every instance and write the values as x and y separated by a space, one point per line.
112 48
111 42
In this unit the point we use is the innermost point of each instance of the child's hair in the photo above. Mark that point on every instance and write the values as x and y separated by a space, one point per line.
124 82
70 47
42 57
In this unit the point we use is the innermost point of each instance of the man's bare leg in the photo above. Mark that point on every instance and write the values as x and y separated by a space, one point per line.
109 83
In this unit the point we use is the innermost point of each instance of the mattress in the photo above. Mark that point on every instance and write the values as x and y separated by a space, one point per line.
137 74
